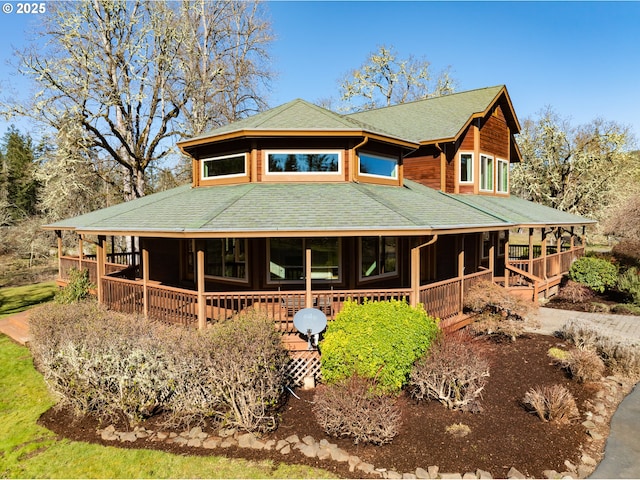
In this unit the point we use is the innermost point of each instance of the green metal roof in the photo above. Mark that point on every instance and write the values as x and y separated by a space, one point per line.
275 209
431 119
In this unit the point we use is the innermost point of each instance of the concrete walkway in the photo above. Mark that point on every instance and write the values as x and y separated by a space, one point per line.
622 451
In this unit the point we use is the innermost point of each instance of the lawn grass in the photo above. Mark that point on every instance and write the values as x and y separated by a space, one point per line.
28 450
17 299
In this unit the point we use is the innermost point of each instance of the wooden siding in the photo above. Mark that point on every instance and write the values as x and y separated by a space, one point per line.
425 170
494 136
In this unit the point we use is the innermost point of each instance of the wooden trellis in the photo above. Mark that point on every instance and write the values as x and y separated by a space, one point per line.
303 364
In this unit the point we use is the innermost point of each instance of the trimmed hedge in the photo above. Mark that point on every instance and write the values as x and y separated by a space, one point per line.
596 273
376 340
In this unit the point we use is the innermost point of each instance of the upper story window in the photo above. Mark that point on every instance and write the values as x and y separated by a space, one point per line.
303 162
224 166
466 168
503 176
486 173
377 166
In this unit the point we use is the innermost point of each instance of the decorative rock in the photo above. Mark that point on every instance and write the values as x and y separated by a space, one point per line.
353 462
587 460
281 444
227 432
483 475
211 443
228 442
179 440
514 473
366 467
246 440
551 474
286 450
128 437
339 455
595 435
293 439
598 419
173 435
109 434
409 476
269 444
309 440
451 476
194 442
323 453
422 473
588 424
195 432
570 466
584 471
433 471
308 450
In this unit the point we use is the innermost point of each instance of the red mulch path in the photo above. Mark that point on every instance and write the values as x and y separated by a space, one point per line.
504 435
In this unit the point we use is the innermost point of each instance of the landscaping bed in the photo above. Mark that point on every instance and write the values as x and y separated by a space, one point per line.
502 436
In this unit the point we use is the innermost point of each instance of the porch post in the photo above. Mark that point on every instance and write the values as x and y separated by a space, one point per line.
145 282
202 312
308 299
100 267
59 240
415 276
492 260
506 260
461 273
543 253
571 240
80 251
531 249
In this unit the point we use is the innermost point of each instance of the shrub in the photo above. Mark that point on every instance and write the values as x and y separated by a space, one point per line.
585 365
628 251
552 403
109 364
575 292
355 408
376 340
596 273
629 283
488 297
626 309
458 430
77 289
617 353
450 373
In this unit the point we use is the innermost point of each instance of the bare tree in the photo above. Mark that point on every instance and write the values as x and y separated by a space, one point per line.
384 79
574 169
139 74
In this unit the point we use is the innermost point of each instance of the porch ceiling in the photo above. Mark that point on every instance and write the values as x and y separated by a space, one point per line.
269 209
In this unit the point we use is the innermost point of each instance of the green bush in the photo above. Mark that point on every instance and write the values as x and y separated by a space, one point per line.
629 283
376 340
77 289
596 273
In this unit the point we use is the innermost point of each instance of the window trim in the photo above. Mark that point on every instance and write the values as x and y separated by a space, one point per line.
222 157
490 177
301 281
499 163
361 277
236 280
466 182
393 160
294 151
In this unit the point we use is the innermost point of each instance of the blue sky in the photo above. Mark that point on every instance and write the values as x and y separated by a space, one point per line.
581 58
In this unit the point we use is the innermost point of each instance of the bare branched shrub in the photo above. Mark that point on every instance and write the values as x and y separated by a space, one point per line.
585 365
499 312
354 408
452 374
618 353
552 403
575 292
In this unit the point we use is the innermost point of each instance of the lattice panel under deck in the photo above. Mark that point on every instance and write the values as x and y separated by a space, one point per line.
303 364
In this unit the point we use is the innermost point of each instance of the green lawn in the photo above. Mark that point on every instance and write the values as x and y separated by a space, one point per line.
18 299
28 450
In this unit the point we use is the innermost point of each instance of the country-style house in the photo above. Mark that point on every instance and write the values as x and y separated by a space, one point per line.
300 206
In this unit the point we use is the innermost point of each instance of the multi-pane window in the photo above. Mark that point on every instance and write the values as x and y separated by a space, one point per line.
378 256
287 259
226 258
377 166
503 176
303 162
466 168
486 173
226 166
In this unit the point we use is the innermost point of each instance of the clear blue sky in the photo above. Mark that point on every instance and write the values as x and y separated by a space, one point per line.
581 58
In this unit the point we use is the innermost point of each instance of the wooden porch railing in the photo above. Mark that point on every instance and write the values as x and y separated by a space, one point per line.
91 265
550 266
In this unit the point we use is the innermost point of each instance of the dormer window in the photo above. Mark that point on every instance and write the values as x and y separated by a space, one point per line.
466 168
486 173
503 176
224 166
377 166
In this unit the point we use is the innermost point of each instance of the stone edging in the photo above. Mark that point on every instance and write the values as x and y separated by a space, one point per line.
596 424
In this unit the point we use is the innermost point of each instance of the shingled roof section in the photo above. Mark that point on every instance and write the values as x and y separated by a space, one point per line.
438 118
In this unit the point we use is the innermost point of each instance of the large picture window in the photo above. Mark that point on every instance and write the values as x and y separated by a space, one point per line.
377 166
466 168
303 162
378 257
503 176
226 166
287 259
486 173
226 258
